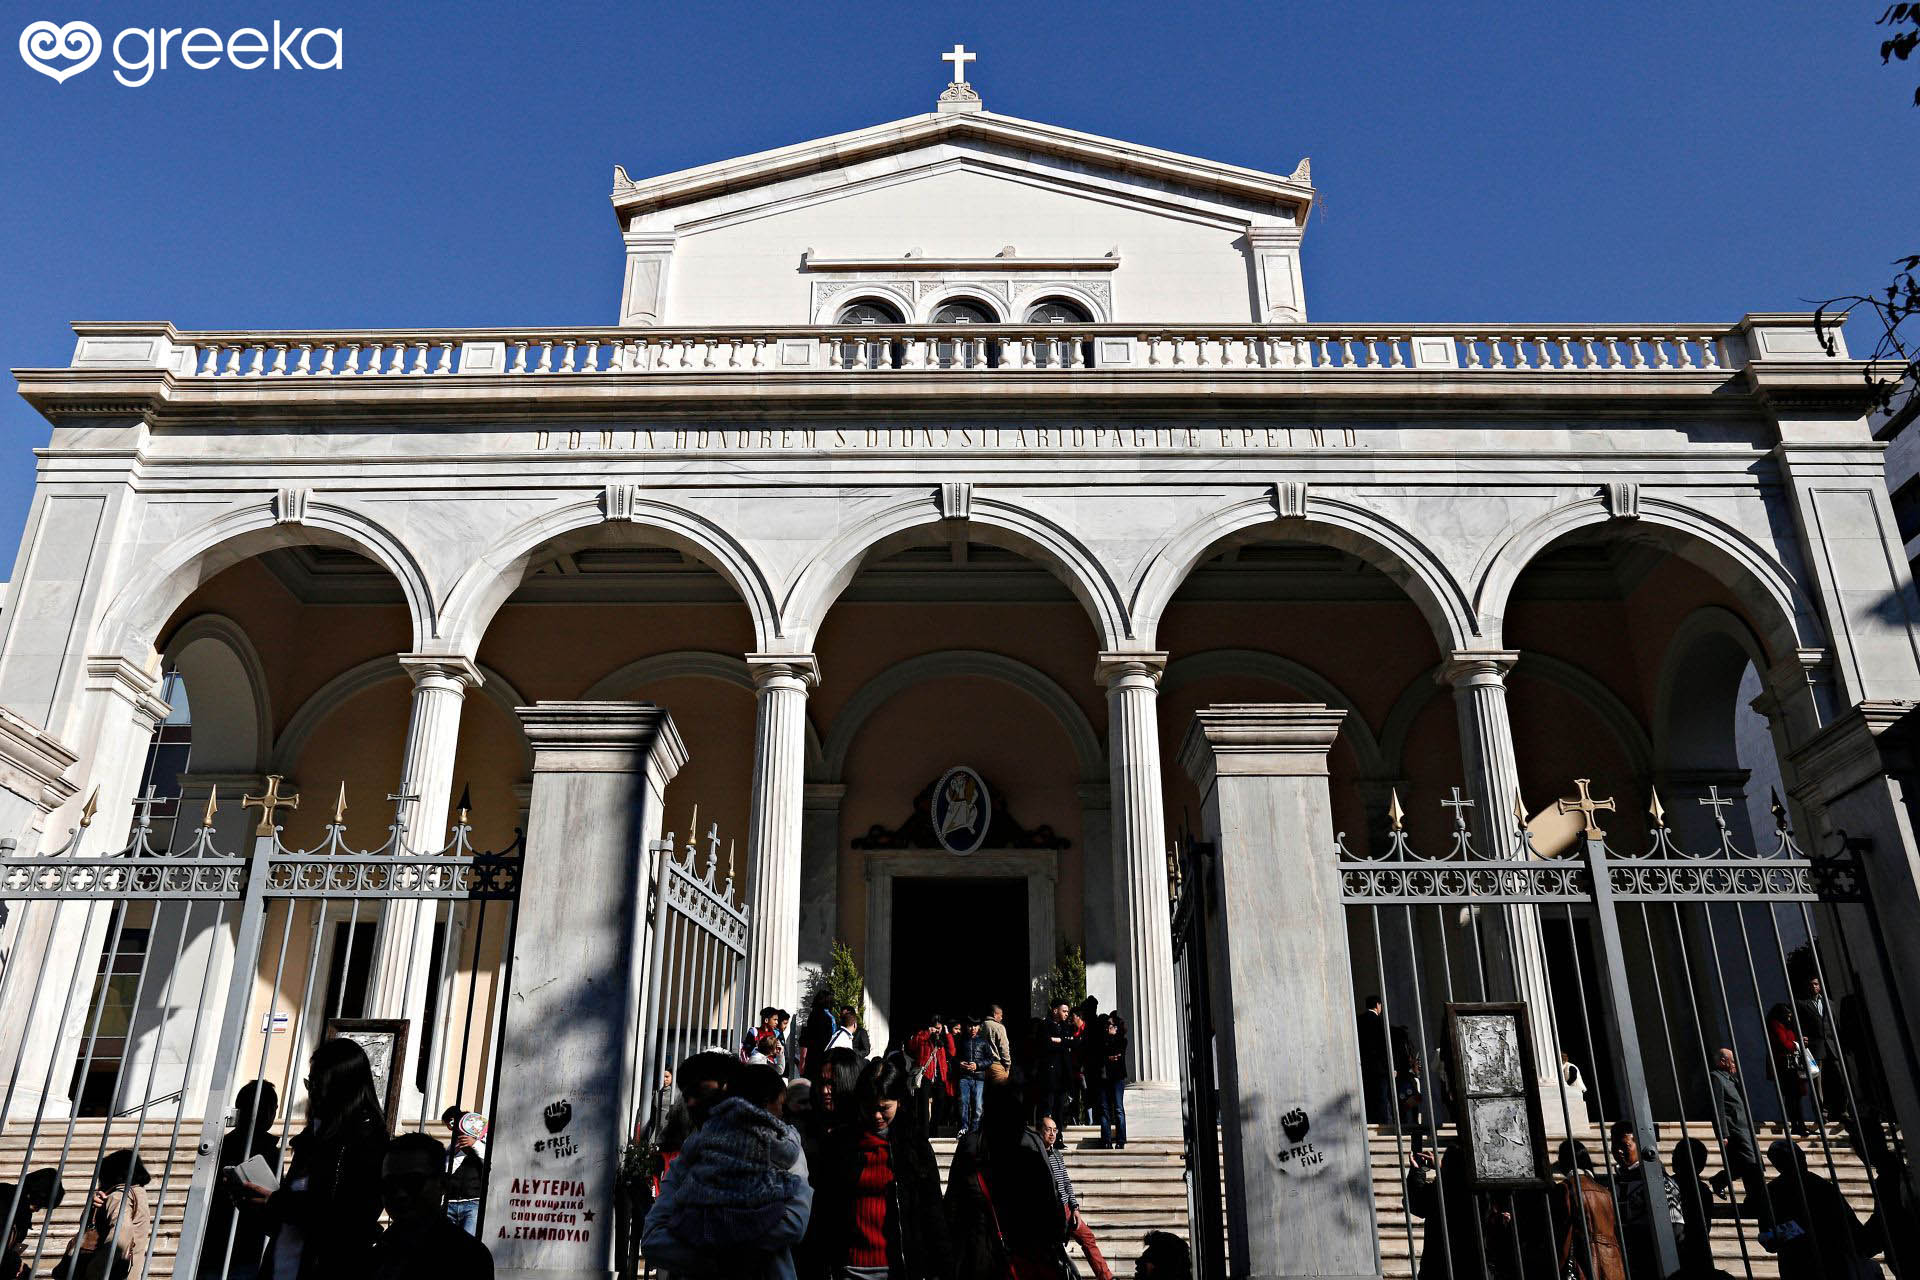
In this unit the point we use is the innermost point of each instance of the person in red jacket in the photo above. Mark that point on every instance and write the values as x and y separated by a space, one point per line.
930 1049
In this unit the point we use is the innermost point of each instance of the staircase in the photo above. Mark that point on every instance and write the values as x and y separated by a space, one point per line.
90 1140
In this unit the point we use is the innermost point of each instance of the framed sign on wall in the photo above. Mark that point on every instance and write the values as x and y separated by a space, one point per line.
385 1042
1495 1103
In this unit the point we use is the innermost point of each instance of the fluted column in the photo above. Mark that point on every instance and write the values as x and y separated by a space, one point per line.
403 955
1479 680
1142 919
782 682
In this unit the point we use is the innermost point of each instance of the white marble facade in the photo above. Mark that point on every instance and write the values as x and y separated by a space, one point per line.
728 414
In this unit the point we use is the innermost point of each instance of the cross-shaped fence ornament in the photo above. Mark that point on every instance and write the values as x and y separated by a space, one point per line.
960 57
1712 799
1586 806
145 805
1459 807
713 851
269 802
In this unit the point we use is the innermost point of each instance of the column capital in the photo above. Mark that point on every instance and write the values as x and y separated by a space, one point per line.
1477 668
1119 668
1259 739
34 764
784 671
449 671
129 680
602 737
1872 739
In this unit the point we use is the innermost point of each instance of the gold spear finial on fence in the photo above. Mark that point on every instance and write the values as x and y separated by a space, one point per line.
465 806
1657 810
269 802
91 807
213 806
340 807
1587 807
1396 816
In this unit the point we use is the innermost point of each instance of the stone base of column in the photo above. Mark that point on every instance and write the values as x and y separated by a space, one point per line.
1153 1111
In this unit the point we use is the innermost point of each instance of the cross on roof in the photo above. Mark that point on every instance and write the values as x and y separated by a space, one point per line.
960 57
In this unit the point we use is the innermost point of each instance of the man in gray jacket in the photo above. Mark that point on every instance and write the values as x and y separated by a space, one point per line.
1735 1123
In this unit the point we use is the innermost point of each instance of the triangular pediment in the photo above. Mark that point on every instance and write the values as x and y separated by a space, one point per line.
925 142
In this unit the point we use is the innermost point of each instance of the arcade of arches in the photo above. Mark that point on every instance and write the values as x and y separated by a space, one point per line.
1628 665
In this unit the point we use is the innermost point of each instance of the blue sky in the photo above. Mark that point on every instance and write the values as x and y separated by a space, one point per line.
1632 162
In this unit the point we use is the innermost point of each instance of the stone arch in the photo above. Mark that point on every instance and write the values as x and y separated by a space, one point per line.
132 622
227 692
485 584
1261 665
1332 522
1765 586
683 664
358 679
828 309
989 520
1606 705
1697 691
957 292
1088 751
1033 295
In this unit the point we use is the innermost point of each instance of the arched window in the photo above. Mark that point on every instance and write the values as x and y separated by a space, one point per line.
869 311
1060 353
962 311
1057 311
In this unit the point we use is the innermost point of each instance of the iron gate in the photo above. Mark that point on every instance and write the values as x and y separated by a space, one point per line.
1641 968
1200 1095
271 904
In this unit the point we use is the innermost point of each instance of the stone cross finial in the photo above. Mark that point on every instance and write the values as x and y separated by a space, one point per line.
959 57
269 802
1586 806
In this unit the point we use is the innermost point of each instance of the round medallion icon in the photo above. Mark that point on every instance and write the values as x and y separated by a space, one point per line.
962 810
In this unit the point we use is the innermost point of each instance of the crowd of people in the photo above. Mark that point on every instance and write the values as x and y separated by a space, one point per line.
825 1170
1073 1060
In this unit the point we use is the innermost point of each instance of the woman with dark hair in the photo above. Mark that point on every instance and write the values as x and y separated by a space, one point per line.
112 1241
1001 1197
876 1207
326 1214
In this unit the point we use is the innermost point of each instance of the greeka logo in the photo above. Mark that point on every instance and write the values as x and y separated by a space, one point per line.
43 41
140 52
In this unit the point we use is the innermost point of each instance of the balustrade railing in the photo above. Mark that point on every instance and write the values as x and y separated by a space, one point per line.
992 349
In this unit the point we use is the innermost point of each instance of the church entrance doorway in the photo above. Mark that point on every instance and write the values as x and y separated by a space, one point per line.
919 937
958 946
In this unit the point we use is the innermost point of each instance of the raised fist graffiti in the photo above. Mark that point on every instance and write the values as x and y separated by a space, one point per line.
1295 1124
558 1115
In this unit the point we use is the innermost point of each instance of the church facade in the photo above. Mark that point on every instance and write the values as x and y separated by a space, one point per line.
933 476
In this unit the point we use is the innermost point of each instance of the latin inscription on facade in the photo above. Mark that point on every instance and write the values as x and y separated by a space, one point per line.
721 440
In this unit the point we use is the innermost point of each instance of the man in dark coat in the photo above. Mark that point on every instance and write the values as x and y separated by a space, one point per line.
1734 1120
1814 1231
1376 1062
421 1241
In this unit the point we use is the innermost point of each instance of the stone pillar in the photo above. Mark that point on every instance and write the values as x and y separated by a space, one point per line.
202 934
1142 919
1299 1195
819 883
403 952
600 772
1098 910
1861 777
1518 964
782 682
57 940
